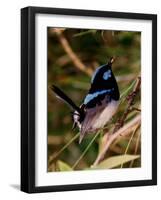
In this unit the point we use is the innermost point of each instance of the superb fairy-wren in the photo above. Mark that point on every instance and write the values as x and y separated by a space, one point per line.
99 105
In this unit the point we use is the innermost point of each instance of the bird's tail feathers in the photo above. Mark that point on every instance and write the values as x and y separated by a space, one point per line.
61 95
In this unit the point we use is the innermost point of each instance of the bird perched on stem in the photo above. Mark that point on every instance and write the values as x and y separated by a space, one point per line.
99 105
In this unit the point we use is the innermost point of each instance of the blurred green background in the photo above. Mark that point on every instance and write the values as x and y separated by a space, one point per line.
93 48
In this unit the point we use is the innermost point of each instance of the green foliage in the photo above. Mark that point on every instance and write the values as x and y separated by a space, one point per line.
62 166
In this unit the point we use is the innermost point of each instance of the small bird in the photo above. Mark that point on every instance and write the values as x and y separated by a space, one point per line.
99 105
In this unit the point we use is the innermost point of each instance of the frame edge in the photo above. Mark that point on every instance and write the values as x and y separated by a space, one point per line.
24 100
28 89
27 100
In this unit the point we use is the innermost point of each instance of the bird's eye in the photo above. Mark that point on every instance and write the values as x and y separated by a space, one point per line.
107 75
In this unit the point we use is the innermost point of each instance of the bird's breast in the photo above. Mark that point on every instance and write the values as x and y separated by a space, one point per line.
105 115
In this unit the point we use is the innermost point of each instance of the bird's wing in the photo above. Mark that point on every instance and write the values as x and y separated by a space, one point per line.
90 118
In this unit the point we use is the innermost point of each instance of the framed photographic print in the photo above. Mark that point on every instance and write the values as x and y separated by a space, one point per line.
88 99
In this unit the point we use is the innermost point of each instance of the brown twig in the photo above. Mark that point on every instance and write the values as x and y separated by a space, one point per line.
130 99
126 129
72 55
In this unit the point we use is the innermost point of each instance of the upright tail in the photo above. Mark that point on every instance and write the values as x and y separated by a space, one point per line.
60 94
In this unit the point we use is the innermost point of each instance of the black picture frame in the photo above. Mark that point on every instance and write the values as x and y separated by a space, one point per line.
28 98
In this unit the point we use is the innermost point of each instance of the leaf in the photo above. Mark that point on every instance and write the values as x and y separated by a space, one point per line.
63 166
85 32
115 161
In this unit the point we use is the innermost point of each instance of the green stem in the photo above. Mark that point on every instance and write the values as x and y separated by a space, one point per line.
126 150
85 151
62 149
123 94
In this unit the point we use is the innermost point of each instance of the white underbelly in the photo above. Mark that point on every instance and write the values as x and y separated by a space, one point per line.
105 115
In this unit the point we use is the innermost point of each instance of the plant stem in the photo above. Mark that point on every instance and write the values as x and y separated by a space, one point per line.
124 93
72 55
121 132
85 151
128 145
136 148
130 101
62 149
